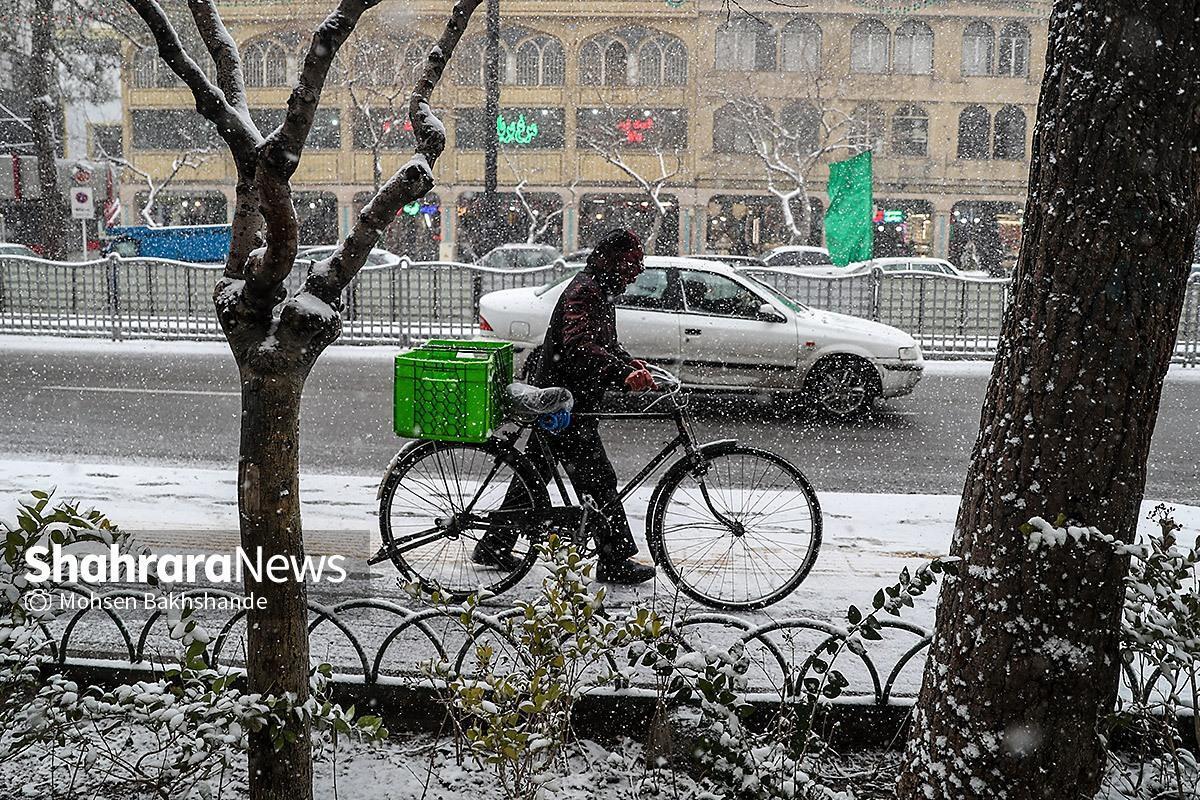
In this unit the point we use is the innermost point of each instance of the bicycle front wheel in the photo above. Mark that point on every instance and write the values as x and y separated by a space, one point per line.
440 500
739 531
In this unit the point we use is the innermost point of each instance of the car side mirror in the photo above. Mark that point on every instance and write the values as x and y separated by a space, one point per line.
768 313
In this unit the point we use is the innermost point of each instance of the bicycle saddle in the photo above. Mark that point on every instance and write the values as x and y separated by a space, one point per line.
532 401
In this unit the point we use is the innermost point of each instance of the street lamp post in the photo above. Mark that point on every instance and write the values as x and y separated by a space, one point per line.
489 210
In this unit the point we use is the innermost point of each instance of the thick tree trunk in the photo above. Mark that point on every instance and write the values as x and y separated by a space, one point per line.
1024 661
43 111
277 635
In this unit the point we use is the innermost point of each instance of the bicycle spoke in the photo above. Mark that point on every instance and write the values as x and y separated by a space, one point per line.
772 546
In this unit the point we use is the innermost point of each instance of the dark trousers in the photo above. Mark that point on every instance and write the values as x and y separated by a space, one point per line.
581 452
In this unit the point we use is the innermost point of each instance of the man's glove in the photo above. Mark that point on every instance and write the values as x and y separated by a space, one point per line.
640 380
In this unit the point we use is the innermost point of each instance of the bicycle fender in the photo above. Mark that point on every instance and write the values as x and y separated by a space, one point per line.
718 446
713 448
392 465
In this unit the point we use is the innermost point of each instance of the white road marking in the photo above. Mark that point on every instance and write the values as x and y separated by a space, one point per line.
132 390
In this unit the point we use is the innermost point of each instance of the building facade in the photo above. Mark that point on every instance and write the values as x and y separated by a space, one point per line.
944 92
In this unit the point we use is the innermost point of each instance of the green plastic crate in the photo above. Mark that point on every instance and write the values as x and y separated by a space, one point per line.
452 391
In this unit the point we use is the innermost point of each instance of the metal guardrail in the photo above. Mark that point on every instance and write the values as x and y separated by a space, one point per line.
951 316
118 297
162 299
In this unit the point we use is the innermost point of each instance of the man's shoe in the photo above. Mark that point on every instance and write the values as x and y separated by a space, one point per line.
627 571
485 556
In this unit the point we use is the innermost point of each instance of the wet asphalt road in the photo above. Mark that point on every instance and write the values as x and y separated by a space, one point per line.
123 404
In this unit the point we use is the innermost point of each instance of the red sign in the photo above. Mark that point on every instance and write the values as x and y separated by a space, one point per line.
635 129
82 175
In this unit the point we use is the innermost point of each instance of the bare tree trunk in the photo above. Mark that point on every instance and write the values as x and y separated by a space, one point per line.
45 131
1025 661
655 228
269 499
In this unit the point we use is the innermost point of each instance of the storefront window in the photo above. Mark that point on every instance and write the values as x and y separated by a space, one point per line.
318 217
178 207
600 213
510 222
417 230
903 228
987 232
746 225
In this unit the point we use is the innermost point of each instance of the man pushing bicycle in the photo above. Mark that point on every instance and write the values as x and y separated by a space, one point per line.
581 353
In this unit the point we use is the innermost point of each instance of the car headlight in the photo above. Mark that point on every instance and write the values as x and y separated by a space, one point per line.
910 353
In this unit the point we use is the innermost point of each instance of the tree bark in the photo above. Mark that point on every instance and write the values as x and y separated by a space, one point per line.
1024 660
43 112
269 501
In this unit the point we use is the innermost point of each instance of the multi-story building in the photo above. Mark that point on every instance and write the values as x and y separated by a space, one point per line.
943 91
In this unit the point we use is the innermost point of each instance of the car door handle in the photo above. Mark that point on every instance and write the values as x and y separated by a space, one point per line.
692 331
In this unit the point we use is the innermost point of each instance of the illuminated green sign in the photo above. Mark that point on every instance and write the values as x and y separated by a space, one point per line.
519 132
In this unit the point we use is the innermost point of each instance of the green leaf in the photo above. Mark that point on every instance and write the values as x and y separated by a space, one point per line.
854 615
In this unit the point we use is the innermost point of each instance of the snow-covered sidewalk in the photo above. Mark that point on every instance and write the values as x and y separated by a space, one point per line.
867 539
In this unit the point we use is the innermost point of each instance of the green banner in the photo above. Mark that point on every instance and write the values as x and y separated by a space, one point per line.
849 232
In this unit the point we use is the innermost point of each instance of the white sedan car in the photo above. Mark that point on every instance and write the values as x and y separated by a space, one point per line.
718 329
937 266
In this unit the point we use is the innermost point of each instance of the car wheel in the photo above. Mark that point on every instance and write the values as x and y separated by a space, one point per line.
842 386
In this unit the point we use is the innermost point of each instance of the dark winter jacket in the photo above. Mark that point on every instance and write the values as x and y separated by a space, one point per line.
581 351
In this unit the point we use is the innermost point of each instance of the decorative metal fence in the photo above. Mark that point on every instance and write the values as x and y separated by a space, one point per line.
372 642
152 298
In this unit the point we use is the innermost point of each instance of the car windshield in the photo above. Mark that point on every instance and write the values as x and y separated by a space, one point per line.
775 293
535 258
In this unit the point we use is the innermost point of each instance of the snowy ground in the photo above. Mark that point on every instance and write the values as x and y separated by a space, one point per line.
868 538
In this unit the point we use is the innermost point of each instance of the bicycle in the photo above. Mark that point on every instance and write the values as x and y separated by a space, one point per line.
734 527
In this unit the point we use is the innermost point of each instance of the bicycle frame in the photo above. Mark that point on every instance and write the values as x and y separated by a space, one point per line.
685 438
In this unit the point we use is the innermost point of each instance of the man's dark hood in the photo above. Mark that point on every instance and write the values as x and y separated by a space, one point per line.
603 263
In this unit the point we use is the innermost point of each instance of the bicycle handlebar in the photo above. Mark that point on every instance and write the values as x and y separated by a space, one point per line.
666 380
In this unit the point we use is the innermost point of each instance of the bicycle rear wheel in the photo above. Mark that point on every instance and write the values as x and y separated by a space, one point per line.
439 499
739 532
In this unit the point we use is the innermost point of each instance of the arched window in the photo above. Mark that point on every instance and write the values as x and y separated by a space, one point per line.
1014 51
978 43
869 47
801 46
974 131
866 127
661 61
616 64
554 63
802 123
392 62
468 62
1010 134
634 56
729 131
149 71
675 64
910 131
913 49
539 62
264 63
746 44
591 63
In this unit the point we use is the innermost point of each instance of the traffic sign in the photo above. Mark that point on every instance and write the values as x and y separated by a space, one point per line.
82 174
82 203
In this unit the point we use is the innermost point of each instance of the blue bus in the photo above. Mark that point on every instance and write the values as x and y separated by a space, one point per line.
195 243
